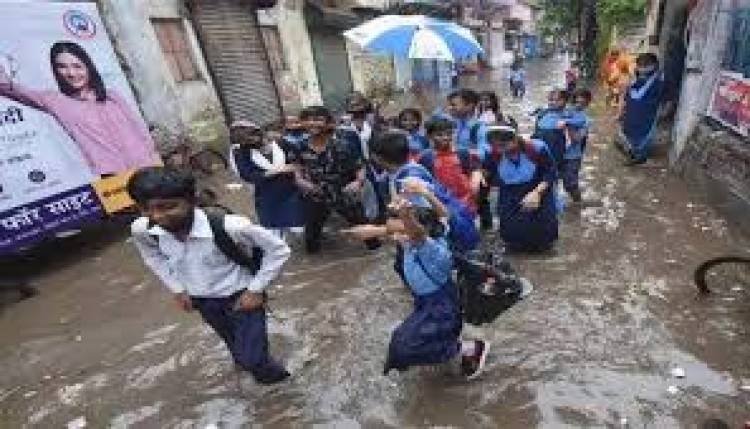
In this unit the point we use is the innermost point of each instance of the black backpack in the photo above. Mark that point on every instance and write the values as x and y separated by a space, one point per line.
487 287
226 244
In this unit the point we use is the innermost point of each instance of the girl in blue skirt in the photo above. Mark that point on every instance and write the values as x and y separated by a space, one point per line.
525 174
430 334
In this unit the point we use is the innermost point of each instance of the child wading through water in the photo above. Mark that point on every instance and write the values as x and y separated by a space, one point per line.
550 126
642 100
459 171
578 124
188 250
330 174
261 159
471 136
517 80
525 175
410 120
430 335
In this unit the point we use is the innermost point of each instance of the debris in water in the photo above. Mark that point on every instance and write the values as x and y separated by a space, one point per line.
678 373
212 426
673 390
79 338
47 377
234 186
78 423
745 388
737 289
30 394
624 422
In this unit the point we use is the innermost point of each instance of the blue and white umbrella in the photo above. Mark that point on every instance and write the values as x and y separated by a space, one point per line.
415 36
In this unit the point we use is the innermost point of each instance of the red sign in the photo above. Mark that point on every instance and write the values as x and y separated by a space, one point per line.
730 103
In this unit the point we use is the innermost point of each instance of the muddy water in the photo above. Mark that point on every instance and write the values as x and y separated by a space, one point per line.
612 315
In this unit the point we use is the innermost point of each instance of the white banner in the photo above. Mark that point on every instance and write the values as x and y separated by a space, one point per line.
67 114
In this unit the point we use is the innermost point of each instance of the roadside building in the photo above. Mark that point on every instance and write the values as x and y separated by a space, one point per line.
711 79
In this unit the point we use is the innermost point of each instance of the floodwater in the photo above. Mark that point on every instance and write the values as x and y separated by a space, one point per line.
613 315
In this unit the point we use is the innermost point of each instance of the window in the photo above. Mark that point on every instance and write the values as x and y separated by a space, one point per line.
174 44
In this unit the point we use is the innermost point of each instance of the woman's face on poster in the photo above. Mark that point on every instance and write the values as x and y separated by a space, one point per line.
72 70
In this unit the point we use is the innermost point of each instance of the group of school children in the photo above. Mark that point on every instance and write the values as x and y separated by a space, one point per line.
426 186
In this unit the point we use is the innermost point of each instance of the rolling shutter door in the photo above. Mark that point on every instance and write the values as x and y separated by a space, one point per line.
234 49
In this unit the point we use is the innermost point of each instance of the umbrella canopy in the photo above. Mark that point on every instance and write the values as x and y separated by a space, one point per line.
415 37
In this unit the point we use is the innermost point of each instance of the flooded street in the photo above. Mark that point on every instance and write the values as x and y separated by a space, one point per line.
613 315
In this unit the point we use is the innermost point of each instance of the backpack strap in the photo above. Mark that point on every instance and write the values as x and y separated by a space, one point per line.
474 134
229 247
464 158
427 160
424 270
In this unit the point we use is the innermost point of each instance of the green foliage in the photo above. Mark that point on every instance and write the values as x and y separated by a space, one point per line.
620 11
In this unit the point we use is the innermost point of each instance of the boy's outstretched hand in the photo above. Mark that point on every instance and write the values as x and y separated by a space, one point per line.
249 301
183 301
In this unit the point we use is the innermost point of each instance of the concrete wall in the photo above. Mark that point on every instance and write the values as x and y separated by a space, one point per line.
191 107
709 26
301 79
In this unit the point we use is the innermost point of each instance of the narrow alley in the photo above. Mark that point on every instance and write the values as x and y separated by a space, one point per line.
613 315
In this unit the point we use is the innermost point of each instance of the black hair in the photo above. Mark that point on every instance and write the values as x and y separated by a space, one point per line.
469 96
584 93
437 125
95 79
392 147
565 95
161 182
316 112
494 105
410 111
429 219
647 59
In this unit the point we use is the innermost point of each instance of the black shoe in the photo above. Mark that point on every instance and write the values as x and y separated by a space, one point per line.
313 247
277 378
472 366
575 195
632 162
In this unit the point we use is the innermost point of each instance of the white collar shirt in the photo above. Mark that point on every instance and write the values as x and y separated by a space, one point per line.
198 267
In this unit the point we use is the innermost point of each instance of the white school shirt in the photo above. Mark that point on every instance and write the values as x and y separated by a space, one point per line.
198 267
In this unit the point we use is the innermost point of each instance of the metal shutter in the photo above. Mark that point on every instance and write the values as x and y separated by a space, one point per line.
234 49
332 64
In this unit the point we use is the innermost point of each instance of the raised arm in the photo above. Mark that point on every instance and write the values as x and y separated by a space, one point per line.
21 94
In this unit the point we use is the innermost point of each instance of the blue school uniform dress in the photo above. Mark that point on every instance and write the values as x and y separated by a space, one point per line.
642 101
546 130
278 201
518 82
517 175
471 135
578 124
430 335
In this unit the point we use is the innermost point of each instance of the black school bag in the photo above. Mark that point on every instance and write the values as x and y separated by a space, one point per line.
226 244
487 287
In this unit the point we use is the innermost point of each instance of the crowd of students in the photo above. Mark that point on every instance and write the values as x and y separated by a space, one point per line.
426 185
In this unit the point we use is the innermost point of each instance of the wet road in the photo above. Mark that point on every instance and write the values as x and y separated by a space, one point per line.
612 315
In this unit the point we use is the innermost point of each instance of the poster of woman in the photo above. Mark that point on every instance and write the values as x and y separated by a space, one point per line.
110 135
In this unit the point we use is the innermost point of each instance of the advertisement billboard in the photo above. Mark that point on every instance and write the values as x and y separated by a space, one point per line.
70 129
730 103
